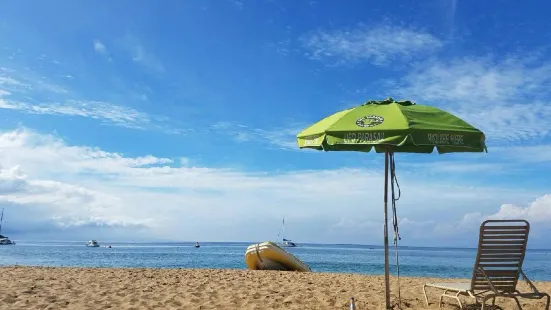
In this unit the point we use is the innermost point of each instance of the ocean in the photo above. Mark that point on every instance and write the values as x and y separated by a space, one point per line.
414 261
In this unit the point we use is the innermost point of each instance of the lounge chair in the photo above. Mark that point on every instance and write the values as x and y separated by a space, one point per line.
498 266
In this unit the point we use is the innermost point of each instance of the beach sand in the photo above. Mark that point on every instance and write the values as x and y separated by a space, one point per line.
104 288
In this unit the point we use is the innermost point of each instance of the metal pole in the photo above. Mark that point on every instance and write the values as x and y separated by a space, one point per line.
387 276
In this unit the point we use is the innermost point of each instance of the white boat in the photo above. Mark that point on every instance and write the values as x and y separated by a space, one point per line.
197 245
285 242
92 244
270 256
288 243
3 239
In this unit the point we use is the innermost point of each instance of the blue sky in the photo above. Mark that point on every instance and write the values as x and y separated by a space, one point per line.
176 121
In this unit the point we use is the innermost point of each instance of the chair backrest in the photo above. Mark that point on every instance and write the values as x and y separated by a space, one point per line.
501 249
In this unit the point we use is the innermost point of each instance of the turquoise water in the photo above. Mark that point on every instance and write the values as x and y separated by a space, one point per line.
433 262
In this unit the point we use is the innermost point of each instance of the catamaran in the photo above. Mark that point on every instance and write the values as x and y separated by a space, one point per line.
92 244
3 239
285 242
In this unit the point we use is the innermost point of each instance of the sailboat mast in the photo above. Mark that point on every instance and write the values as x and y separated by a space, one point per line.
283 229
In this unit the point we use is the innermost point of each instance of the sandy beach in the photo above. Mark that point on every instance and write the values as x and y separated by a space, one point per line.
102 288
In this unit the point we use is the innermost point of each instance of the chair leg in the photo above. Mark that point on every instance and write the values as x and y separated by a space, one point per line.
425 293
485 299
456 297
441 298
548 301
474 297
459 300
518 303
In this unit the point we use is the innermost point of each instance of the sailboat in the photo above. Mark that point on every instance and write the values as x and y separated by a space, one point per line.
3 239
285 242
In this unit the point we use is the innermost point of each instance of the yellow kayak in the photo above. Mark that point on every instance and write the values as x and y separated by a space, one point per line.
270 256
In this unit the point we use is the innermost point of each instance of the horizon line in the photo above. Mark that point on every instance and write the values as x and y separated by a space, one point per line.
251 242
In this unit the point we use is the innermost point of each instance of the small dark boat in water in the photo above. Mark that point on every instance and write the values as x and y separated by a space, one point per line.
197 245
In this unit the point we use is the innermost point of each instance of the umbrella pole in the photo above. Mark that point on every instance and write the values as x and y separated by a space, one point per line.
387 276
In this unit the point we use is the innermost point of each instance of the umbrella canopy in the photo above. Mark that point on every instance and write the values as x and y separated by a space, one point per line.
392 126
398 126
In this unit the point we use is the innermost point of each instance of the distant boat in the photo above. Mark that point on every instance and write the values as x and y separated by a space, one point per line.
197 245
285 242
92 244
288 243
4 240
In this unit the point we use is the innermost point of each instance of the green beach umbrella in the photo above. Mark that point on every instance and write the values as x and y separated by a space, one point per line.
391 126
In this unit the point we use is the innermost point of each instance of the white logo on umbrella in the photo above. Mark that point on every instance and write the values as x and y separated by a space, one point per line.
370 121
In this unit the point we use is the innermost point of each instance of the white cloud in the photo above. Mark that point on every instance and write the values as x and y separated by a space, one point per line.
141 55
506 98
118 115
50 87
100 48
282 138
538 211
461 231
407 227
8 81
378 44
12 84
105 112
55 150
239 4
510 123
478 81
527 153
5 105
447 167
63 202
475 80
11 180
30 82
79 185
282 47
